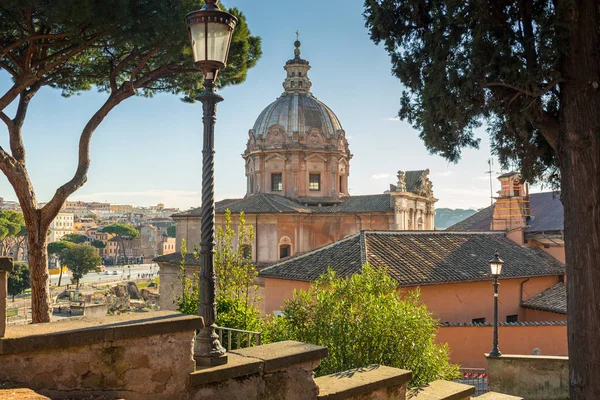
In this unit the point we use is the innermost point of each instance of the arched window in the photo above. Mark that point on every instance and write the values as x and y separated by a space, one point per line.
285 247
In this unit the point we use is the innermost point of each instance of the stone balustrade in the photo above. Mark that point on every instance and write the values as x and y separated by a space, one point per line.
150 356
532 377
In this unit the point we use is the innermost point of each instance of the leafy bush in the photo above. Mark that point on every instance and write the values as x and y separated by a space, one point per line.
363 320
236 293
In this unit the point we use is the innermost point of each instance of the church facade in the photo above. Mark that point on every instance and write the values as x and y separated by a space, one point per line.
297 166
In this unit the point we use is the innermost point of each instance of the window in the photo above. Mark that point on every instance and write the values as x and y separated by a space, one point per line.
341 184
314 182
478 320
293 84
512 318
300 84
276 183
284 250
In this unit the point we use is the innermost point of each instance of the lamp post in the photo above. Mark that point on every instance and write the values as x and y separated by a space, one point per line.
496 269
210 31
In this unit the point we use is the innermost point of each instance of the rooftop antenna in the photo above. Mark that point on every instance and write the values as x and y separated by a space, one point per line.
490 171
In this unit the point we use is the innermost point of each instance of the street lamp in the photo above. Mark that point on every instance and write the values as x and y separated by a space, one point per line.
496 269
210 31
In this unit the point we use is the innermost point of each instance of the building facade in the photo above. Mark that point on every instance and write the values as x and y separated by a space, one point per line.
62 225
297 167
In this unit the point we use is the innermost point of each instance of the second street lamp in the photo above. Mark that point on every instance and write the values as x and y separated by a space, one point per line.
496 269
210 31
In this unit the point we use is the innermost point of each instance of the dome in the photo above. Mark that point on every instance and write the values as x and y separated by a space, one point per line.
297 112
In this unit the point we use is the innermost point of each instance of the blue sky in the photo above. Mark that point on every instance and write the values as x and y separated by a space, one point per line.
149 150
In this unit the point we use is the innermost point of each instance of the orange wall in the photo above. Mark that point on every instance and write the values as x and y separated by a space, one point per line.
279 290
462 302
468 344
537 315
451 302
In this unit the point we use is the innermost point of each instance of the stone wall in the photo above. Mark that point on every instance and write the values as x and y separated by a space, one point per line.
138 356
531 377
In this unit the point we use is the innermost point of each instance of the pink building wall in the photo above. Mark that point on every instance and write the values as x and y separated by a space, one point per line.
468 344
451 302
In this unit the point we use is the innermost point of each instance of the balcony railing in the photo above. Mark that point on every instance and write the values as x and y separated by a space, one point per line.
237 338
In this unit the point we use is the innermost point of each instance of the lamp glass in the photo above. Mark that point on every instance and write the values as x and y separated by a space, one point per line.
210 42
496 267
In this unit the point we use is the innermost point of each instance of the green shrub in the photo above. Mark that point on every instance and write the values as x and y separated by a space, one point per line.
362 320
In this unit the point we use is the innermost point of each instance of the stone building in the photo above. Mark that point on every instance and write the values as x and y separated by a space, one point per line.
297 165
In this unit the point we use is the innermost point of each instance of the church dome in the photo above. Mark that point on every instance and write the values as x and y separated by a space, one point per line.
297 147
297 112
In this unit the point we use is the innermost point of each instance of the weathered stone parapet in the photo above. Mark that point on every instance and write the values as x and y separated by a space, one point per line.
136 356
282 370
532 377
371 382
497 396
442 390
6 266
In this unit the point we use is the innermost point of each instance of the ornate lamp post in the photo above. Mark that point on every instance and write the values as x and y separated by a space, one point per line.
210 31
496 268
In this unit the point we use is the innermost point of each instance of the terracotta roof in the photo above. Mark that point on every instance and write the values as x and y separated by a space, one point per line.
480 221
262 203
546 209
553 299
501 323
419 258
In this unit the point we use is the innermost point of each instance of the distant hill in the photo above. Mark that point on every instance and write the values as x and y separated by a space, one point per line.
446 217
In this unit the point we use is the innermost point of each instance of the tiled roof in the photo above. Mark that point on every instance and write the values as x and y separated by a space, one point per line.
500 323
343 256
553 299
546 211
364 203
420 258
480 221
261 203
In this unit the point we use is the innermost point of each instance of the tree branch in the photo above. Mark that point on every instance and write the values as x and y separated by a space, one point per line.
549 125
521 90
17 147
52 208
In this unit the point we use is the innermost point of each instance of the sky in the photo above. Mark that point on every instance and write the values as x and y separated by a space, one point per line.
149 150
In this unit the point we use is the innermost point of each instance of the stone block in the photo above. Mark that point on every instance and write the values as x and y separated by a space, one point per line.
442 390
21 394
497 396
280 355
137 356
531 377
371 382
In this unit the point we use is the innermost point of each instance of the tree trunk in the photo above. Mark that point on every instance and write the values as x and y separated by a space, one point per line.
38 272
579 159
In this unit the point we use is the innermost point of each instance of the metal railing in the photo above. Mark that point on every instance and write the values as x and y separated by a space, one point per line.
477 377
236 338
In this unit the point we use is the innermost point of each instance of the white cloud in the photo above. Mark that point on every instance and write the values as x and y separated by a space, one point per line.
380 176
445 173
393 119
